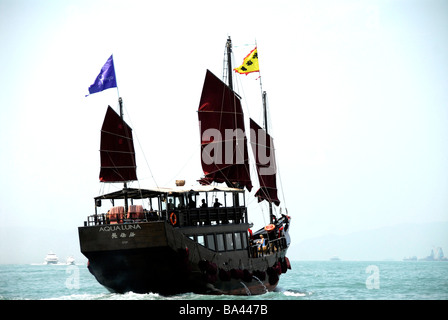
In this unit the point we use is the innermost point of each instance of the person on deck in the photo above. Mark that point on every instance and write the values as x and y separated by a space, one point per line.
261 244
217 204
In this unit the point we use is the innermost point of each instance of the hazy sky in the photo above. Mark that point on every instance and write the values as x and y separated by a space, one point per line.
357 90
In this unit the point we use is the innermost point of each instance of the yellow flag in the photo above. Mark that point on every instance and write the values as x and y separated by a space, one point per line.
250 63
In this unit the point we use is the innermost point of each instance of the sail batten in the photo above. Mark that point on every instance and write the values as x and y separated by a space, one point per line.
116 150
264 154
224 154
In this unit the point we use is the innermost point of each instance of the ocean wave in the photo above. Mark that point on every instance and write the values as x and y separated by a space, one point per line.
135 296
82 296
295 294
109 296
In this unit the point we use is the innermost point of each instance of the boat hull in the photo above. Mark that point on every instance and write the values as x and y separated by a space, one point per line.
155 257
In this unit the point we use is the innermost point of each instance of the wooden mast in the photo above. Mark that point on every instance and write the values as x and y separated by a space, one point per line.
125 185
265 113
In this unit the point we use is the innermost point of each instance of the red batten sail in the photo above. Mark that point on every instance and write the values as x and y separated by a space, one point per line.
263 149
223 142
116 150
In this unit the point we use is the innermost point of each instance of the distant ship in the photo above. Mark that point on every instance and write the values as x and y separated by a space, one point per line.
413 258
335 258
51 258
436 255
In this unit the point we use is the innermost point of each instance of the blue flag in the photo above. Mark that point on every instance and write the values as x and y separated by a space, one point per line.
106 79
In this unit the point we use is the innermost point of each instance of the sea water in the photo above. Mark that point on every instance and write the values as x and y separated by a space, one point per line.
308 280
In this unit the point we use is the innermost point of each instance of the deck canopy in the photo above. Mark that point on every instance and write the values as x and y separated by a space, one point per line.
134 193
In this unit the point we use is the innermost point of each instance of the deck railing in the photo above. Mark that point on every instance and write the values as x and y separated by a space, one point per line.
184 217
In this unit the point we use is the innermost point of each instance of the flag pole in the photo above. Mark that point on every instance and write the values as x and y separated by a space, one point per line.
263 93
120 103
120 100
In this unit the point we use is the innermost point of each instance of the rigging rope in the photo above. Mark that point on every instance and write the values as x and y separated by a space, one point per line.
143 153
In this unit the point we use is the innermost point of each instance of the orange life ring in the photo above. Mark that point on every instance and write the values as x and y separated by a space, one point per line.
173 218
269 227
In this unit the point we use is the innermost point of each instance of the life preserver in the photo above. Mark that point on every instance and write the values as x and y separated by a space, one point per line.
173 218
269 227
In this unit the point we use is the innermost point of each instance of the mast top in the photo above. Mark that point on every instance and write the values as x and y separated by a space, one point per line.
229 61
120 102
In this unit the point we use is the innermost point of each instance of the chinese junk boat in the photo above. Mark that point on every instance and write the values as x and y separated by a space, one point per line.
189 239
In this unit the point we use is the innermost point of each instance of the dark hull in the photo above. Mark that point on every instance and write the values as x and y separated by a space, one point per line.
155 257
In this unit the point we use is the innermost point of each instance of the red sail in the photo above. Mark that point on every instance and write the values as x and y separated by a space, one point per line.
263 149
223 141
116 150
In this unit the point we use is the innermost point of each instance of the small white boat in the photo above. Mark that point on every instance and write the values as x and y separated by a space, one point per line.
51 258
70 260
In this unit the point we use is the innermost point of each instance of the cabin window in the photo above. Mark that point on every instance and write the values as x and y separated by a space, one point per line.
220 242
211 242
229 241
238 199
228 198
201 240
238 241
244 238
162 204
